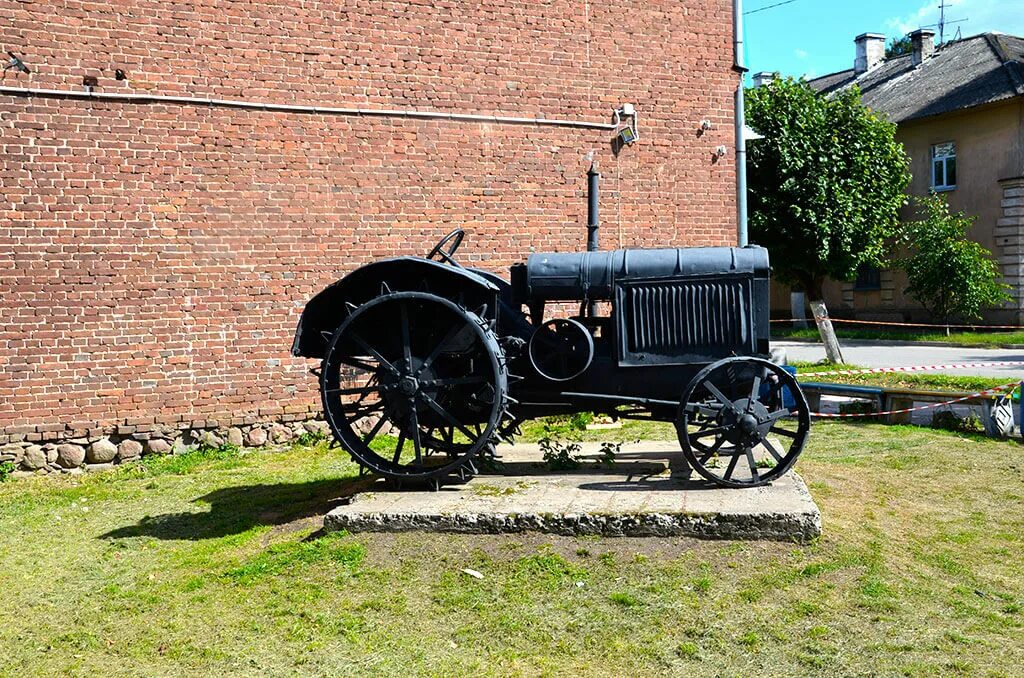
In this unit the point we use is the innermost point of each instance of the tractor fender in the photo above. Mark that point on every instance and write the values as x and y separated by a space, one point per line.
329 308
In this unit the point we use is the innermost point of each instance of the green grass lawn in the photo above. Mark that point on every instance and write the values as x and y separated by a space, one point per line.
213 565
979 339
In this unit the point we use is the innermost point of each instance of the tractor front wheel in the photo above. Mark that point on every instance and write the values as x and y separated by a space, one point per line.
742 422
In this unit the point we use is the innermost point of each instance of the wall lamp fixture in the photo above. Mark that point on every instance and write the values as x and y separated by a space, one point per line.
630 133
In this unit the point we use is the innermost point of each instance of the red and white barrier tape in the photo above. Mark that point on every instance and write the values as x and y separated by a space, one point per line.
992 391
896 324
914 368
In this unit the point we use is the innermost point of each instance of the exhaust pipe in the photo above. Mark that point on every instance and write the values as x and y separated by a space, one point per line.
593 177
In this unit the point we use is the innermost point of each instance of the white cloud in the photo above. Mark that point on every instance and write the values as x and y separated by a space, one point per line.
1004 16
801 53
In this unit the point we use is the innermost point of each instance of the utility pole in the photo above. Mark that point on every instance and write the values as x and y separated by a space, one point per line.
943 23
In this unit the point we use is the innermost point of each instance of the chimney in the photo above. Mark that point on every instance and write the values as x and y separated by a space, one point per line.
870 52
763 78
923 41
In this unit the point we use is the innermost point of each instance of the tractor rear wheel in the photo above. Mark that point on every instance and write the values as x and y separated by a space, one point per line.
414 387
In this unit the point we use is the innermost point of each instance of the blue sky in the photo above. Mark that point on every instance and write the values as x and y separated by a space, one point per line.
815 37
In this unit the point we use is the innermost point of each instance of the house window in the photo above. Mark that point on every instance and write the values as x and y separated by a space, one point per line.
868 278
944 166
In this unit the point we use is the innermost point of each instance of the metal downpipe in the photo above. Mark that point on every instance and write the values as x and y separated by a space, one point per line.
741 123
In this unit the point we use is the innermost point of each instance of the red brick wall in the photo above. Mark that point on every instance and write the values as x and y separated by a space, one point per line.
156 257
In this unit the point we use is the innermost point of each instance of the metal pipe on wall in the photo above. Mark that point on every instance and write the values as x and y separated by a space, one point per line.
741 124
133 97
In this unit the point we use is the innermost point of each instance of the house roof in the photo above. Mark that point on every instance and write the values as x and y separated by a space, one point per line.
971 72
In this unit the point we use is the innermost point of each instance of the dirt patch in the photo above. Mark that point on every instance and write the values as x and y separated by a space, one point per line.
385 548
311 524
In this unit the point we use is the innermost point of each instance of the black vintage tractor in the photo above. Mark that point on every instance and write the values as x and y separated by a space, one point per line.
426 365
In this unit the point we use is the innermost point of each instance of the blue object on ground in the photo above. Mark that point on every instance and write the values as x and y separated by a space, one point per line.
787 396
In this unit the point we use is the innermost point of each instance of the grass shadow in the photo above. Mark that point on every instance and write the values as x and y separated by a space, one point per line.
234 510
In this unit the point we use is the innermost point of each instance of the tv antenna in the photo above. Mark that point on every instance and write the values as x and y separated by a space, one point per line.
943 23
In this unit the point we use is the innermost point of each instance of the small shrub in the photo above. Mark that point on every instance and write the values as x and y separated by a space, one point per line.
310 439
950 274
6 469
947 420
609 450
560 456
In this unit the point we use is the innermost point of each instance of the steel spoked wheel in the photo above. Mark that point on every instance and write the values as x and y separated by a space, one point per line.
413 387
743 422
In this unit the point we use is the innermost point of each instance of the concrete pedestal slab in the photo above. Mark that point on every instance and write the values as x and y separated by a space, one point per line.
645 493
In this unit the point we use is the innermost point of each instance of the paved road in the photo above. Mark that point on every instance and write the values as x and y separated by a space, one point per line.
881 354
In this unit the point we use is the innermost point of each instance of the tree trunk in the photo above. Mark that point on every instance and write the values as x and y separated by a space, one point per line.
828 334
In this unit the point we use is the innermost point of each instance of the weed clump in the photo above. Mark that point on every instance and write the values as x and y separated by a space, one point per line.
606 457
560 456
310 439
189 461
948 420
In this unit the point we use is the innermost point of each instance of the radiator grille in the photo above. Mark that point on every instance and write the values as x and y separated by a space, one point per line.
691 319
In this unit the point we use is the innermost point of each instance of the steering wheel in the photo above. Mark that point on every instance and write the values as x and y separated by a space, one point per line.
455 238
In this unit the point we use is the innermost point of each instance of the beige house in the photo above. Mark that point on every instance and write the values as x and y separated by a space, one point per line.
960 115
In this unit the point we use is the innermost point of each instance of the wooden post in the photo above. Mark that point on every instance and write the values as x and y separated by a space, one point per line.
828 334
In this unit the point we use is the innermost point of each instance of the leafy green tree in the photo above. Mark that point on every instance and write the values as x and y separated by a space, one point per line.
899 47
826 185
951 275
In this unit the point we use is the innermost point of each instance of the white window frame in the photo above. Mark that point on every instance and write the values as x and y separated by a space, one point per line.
940 156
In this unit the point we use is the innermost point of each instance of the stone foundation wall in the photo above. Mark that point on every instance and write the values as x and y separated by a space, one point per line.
102 449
